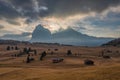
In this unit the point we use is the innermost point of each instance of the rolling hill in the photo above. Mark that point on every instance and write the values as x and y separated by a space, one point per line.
115 42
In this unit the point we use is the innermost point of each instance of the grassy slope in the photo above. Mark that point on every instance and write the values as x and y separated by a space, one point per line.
71 69
86 73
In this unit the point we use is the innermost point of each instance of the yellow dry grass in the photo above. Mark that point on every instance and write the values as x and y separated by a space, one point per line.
87 73
72 68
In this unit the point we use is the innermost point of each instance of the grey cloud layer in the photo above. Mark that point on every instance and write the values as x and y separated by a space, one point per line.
13 22
69 7
23 36
32 10
25 8
7 11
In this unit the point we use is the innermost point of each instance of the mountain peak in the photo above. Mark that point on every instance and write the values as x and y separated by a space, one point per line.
68 33
70 30
41 34
67 36
115 42
38 27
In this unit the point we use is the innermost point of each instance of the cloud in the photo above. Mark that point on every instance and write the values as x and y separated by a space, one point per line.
23 36
100 25
33 9
59 8
1 27
71 7
86 16
38 8
29 9
7 11
13 22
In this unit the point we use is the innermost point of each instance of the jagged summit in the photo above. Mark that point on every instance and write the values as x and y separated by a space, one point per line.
38 27
69 33
67 36
41 34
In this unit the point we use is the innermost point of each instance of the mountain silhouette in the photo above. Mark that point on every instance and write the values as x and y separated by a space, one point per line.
41 34
115 42
68 36
72 37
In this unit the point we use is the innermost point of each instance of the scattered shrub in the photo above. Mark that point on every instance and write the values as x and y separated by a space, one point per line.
12 48
48 49
28 59
57 60
88 62
69 52
35 52
16 48
42 55
106 57
56 49
8 48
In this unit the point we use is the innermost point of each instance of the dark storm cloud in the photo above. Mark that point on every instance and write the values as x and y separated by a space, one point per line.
56 7
7 11
27 8
59 8
25 4
70 7
12 9
111 20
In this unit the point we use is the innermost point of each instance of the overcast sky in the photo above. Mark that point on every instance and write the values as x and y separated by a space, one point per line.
100 18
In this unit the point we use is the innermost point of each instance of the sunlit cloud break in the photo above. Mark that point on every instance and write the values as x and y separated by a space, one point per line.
85 16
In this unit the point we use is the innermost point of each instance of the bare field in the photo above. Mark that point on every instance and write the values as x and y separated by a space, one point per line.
72 68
